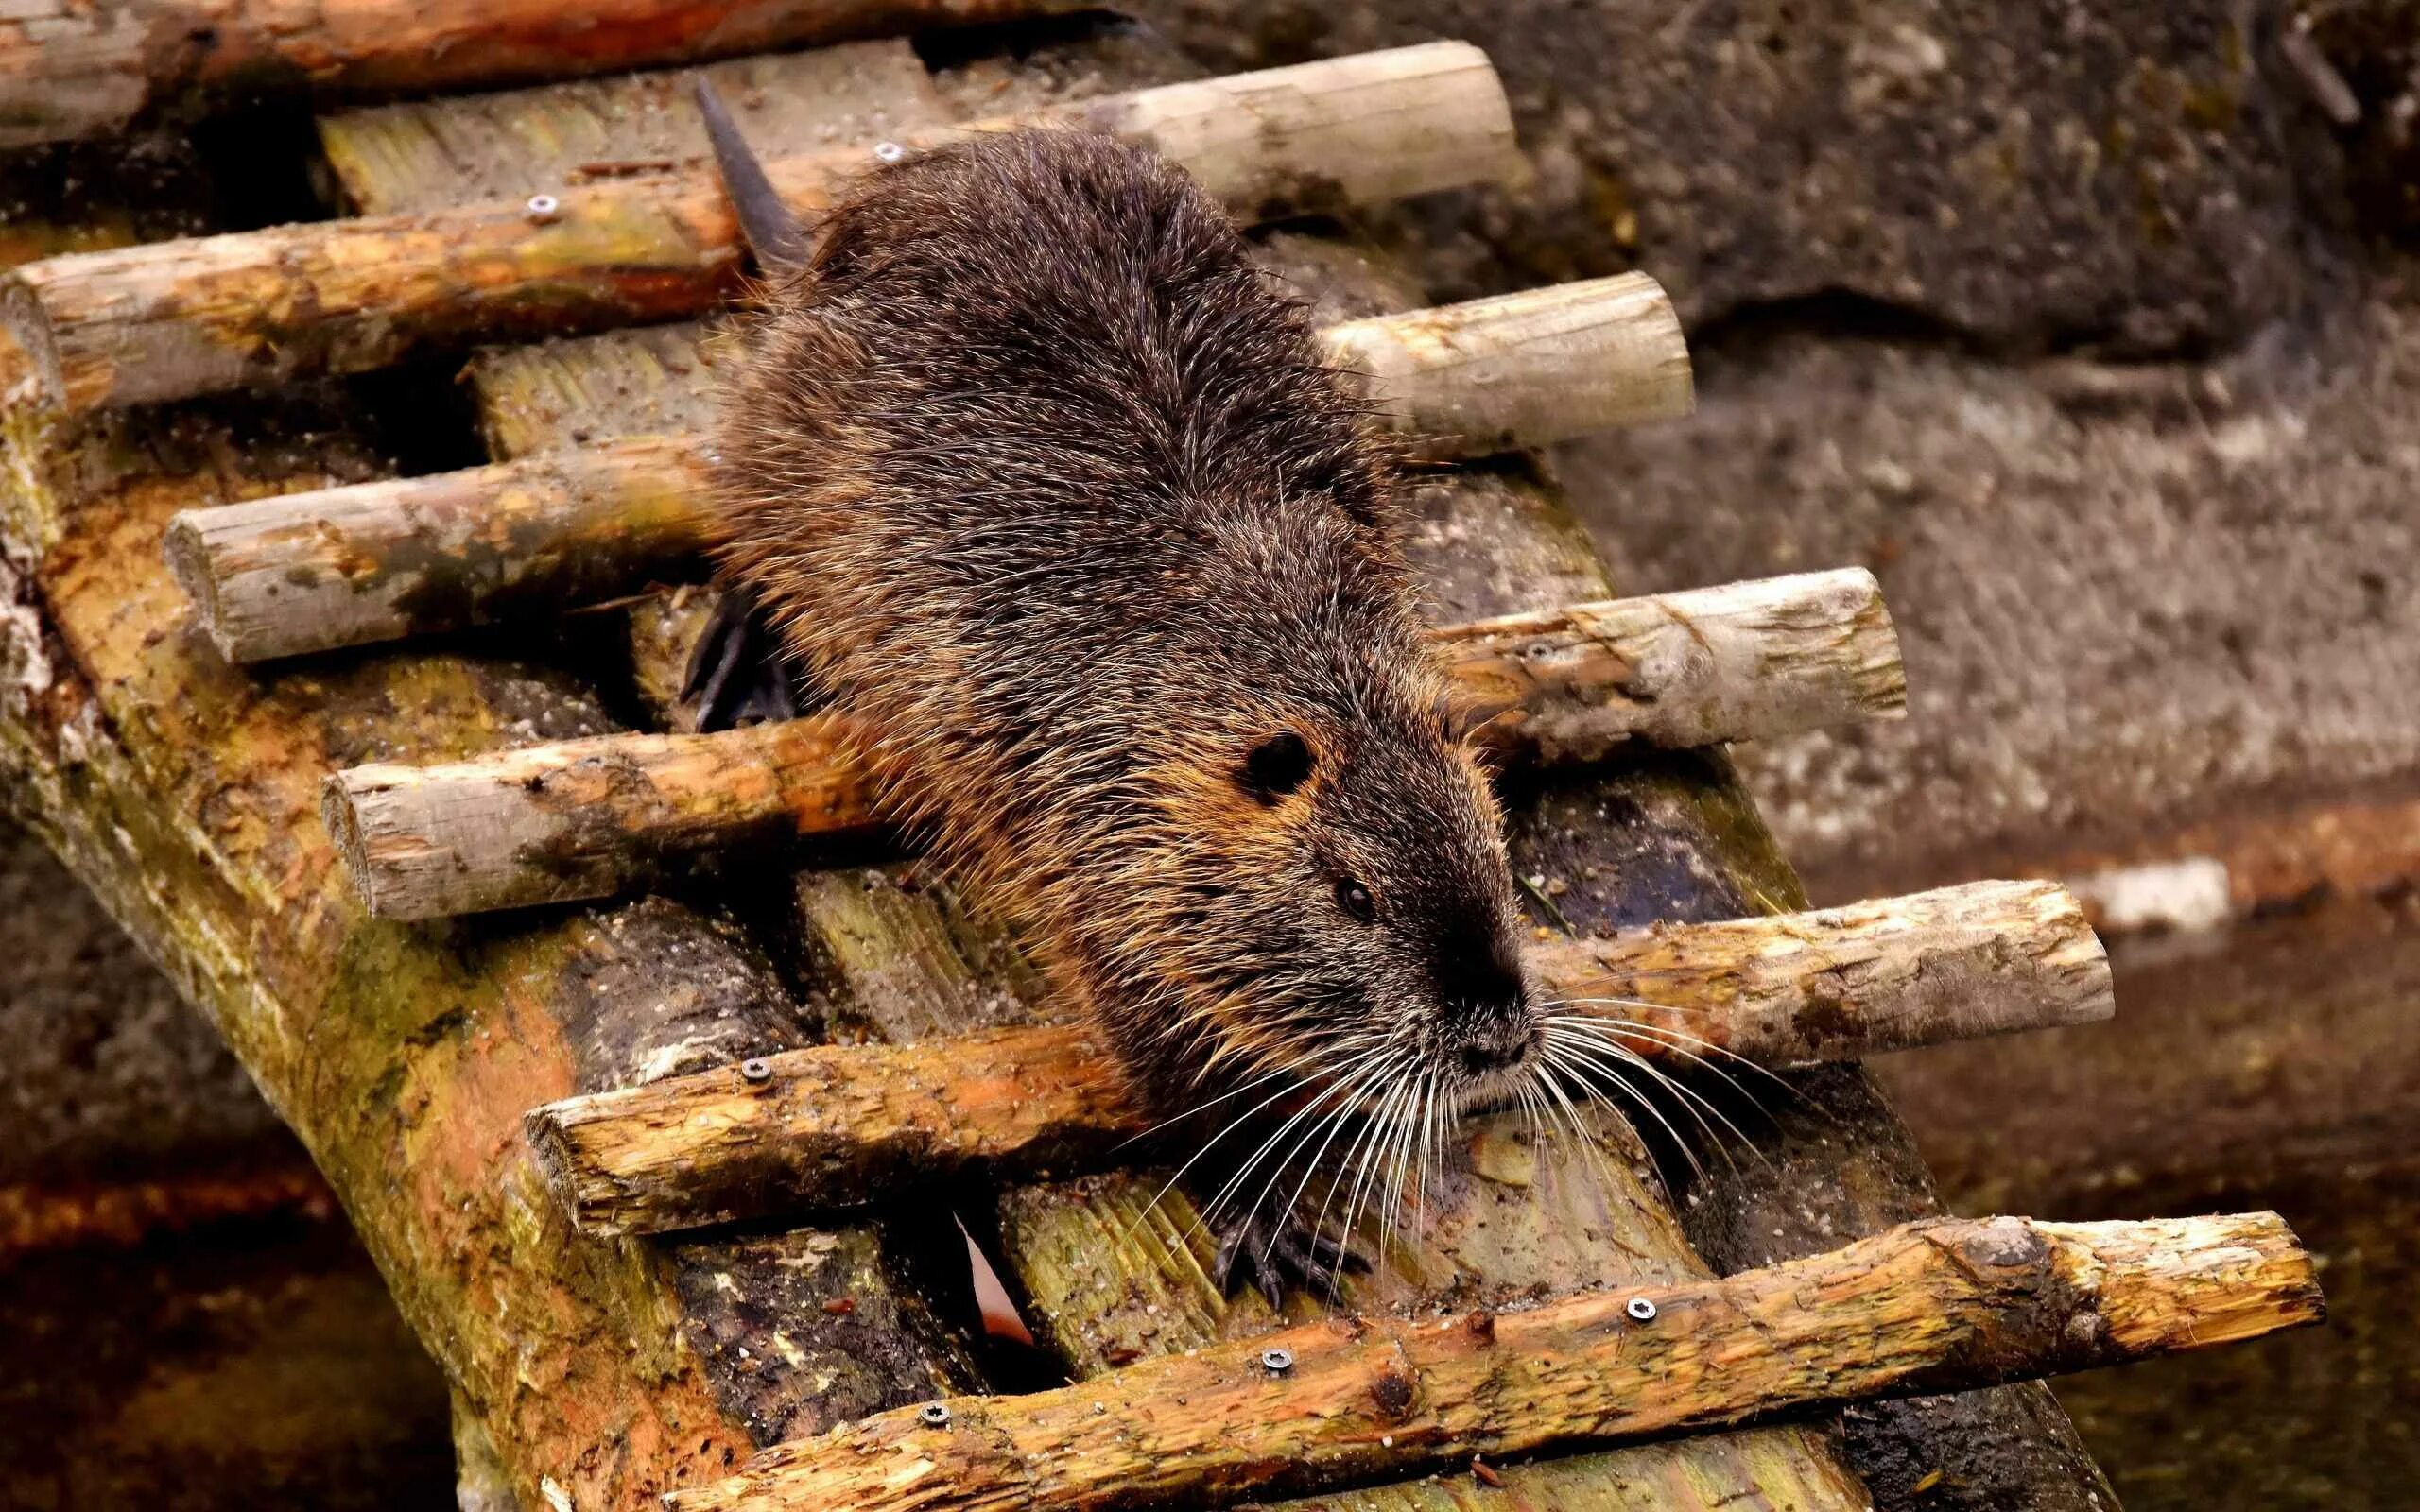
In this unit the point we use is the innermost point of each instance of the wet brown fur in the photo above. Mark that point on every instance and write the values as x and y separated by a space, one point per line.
1034 471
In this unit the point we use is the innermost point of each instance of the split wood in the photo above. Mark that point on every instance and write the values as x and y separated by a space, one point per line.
837 1125
585 817
176 318
381 562
1939 1305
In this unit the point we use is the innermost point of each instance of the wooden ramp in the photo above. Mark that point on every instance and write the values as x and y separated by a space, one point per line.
499 632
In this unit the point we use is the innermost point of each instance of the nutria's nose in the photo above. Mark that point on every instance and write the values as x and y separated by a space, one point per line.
1502 1050
1483 988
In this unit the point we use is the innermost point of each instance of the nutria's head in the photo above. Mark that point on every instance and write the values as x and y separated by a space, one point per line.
1321 902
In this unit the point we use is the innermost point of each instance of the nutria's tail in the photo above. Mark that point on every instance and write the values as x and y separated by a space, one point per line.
773 233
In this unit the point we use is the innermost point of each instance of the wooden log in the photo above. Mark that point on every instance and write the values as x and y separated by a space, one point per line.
378 561
81 68
353 566
1523 369
580 819
1833 985
832 1125
185 317
583 819
1943 1304
1740 661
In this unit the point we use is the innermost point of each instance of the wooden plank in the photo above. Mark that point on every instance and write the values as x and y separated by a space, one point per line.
840 1125
1947 1303
586 819
186 318
82 68
428 154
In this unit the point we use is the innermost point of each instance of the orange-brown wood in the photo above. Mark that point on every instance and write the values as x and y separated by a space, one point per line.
841 1123
1942 1304
80 68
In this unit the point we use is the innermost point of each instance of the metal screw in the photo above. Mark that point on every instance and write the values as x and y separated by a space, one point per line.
757 1069
933 1414
888 152
1277 1362
544 208
1641 1309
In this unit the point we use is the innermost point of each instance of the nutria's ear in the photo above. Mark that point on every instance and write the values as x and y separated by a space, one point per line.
1275 768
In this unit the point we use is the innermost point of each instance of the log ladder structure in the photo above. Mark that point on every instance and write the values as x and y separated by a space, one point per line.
636 1163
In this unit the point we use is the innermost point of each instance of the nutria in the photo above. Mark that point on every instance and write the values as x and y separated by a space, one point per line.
1035 473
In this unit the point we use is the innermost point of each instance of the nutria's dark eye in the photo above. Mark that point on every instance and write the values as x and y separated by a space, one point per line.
1355 899
1277 767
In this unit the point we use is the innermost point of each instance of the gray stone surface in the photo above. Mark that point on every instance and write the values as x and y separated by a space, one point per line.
2129 598
2131 177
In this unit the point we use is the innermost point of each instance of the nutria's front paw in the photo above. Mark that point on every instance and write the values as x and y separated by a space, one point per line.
1273 1251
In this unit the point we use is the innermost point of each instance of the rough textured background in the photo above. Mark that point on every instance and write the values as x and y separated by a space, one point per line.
2088 327
108 1075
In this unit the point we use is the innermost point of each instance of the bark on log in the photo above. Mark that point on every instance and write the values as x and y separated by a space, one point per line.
80 68
186 318
1943 1304
554 824
379 561
833 1126
355 566
581 818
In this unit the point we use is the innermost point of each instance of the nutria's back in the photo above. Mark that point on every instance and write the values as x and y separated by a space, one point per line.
1036 473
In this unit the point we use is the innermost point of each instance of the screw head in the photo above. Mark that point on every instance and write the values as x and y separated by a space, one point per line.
756 1069
888 152
1277 1362
1641 1309
543 208
933 1414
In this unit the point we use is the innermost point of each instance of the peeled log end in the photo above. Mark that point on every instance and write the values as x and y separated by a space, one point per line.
31 377
2167 1285
188 554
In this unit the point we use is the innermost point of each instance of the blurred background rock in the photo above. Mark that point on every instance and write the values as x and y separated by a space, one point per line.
2091 329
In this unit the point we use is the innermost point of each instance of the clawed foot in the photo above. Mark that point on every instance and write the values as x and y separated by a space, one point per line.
737 675
1271 1251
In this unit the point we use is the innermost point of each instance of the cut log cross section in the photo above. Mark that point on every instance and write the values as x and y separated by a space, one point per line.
585 819
838 1125
379 561
1943 1304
